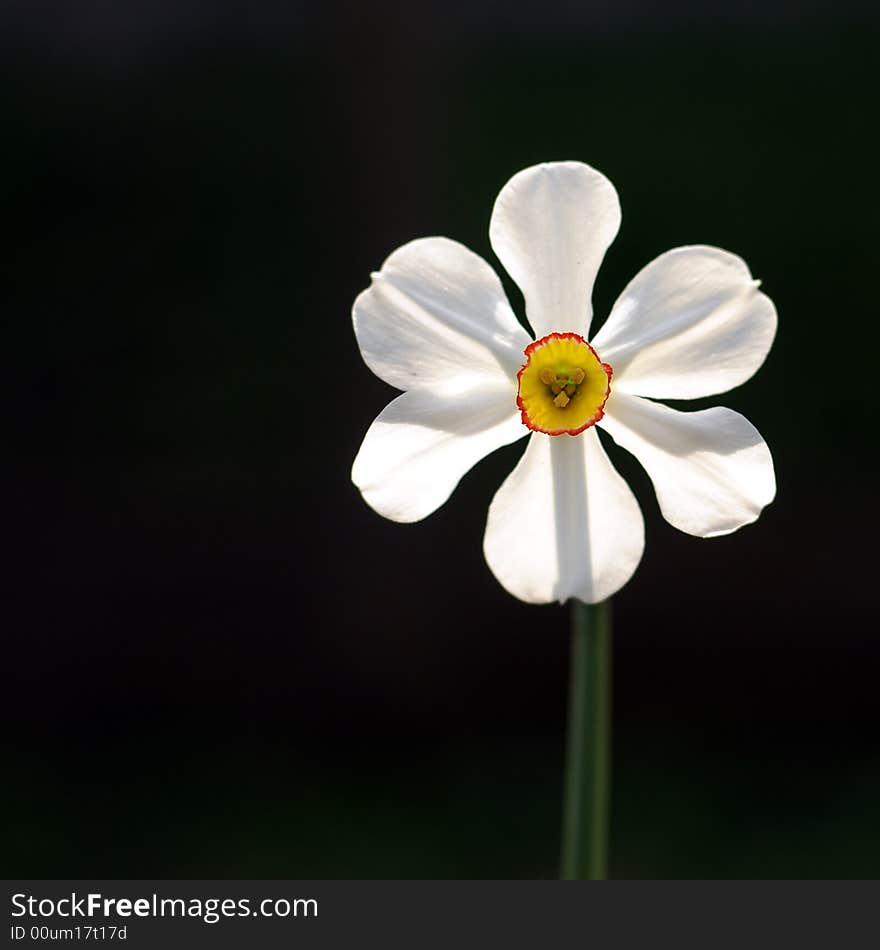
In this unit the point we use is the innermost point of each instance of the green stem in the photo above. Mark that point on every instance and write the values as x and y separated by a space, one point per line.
587 766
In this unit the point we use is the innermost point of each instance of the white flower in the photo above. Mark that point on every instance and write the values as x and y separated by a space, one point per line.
435 322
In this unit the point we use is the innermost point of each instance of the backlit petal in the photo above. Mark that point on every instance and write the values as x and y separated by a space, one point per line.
692 323
564 523
421 444
550 228
712 471
436 317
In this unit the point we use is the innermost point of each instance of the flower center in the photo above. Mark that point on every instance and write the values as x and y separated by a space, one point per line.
563 385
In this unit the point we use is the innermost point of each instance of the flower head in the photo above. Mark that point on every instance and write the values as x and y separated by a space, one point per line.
435 322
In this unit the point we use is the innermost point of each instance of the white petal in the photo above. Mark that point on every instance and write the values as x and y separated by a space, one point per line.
564 523
421 444
550 228
436 317
712 471
691 323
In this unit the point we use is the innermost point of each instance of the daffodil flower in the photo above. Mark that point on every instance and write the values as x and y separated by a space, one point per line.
435 322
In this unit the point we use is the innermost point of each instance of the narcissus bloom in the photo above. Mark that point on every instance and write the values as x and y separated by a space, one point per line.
435 322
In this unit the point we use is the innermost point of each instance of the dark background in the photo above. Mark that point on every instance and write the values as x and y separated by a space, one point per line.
218 661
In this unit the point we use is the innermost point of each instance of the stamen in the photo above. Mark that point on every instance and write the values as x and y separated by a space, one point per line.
548 376
561 401
578 376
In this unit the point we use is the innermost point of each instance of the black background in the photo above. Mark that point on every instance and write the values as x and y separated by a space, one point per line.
218 661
